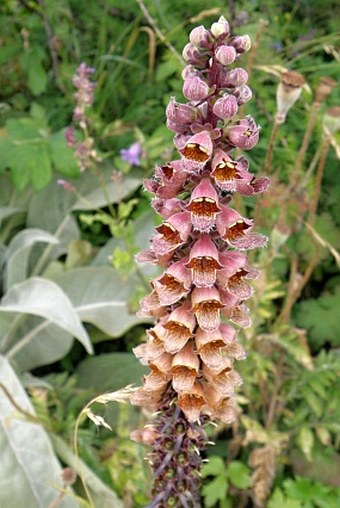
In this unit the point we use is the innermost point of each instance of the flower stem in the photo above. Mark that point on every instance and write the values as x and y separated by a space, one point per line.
305 142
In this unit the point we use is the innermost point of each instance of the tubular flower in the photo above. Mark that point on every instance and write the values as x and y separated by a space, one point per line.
202 247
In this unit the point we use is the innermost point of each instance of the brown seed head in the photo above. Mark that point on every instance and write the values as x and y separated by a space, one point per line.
292 80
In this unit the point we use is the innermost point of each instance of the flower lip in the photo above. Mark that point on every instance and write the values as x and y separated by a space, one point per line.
174 283
206 305
179 327
198 148
203 206
191 403
209 346
204 262
175 230
228 173
245 134
184 369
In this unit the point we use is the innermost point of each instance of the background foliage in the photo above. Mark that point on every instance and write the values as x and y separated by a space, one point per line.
70 287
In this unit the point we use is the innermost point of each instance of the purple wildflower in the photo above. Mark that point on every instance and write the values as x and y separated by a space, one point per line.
132 154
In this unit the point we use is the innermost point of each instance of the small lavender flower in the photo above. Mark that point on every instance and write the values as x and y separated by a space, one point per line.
84 94
201 246
84 150
132 154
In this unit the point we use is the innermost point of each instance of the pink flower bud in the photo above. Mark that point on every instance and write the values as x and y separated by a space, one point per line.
195 88
243 94
242 43
234 78
221 28
180 113
179 128
70 136
189 70
194 56
200 37
245 134
225 55
226 106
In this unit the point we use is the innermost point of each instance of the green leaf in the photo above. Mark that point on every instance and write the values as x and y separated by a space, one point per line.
93 196
305 440
320 317
278 500
313 401
110 371
63 156
215 467
38 113
101 297
45 299
18 252
296 345
55 217
215 491
31 61
304 489
239 475
29 469
25 152
45 343
8 211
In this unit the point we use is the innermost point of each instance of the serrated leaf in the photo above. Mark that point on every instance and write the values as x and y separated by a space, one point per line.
320 318
296 346
313 401
45 299
215 491
215 467
239 474
304 489
278 500
28 466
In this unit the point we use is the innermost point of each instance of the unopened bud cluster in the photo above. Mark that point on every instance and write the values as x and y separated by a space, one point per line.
202 242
